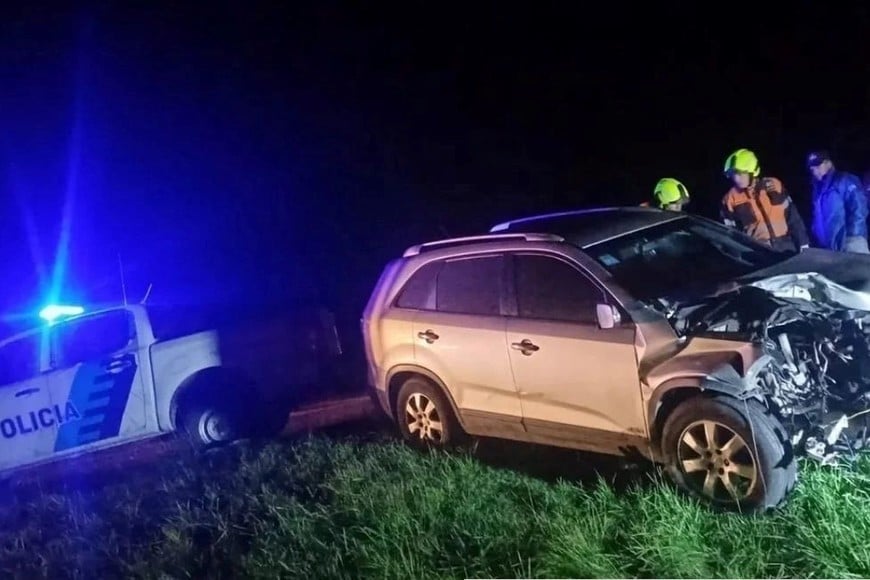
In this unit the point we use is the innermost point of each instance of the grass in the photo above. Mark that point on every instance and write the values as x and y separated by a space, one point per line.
345 507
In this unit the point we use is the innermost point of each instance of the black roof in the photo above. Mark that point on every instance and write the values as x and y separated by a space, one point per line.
589 226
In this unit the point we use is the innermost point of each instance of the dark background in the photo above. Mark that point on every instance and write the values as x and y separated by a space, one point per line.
238 151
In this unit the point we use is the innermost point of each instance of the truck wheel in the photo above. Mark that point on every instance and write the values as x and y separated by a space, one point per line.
425 417
208 425
732 454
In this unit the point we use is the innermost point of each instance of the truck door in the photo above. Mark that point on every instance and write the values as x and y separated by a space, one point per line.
27 418
96 368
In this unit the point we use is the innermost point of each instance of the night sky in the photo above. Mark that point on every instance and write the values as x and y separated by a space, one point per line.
242 152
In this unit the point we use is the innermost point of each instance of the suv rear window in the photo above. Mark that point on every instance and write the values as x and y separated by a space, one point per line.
462 286
419 292
471 286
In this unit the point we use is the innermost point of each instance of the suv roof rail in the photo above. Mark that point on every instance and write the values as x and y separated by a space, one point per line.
504 226
527 237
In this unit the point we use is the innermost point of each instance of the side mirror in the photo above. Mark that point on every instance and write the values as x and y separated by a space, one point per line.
608 316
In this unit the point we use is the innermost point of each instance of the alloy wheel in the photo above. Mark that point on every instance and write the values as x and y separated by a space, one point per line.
423 419
717 462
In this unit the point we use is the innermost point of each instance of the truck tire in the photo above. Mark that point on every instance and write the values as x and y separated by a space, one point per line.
425 416
208 425
732 454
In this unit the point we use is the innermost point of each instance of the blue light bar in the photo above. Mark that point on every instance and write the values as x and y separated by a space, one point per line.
53 312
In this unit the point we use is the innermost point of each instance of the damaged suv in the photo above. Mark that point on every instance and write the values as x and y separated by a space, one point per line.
630 331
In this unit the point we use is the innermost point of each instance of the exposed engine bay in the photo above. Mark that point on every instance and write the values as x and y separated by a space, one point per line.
814 370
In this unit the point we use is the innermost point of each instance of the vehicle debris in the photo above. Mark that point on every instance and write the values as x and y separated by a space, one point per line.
813 367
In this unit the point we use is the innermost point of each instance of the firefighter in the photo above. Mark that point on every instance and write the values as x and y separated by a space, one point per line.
670 194
760 206
839 206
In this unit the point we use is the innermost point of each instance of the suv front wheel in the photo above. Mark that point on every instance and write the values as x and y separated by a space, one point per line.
731 453
424 415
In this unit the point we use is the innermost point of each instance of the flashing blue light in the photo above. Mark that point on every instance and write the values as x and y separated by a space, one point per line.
53 312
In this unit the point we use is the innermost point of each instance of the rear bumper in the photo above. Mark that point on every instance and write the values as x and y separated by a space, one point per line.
377 394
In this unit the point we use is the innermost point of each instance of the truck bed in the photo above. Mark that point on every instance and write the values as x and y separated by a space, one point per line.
292 350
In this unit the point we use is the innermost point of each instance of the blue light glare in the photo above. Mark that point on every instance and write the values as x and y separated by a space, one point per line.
52 312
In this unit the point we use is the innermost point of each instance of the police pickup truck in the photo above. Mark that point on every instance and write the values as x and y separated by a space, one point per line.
123 374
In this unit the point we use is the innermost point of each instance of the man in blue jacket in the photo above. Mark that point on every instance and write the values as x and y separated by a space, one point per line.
839 206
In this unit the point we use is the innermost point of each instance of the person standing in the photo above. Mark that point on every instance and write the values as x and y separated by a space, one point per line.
760 206
670 194
839 206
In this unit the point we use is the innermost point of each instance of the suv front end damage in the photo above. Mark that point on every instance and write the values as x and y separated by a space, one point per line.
814 368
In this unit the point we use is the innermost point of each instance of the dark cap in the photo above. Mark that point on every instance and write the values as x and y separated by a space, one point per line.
816 158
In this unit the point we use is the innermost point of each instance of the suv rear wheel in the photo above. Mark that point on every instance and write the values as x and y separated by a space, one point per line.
731 453
424 415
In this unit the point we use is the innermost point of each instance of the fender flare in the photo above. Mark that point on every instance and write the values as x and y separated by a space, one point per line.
426 373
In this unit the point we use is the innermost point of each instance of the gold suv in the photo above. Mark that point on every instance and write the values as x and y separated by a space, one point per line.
628 331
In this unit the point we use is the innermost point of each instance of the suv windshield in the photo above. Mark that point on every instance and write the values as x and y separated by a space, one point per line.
681 257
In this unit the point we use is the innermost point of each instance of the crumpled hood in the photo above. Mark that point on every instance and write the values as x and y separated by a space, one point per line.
850 271
821 276
818 279
815 288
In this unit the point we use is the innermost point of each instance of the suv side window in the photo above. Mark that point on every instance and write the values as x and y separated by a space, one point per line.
91 338
419 291
471 286
20 360
548 288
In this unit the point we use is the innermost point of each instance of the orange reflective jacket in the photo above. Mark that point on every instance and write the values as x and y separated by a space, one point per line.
765 212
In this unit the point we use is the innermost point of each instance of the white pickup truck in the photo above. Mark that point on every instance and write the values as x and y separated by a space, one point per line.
128 373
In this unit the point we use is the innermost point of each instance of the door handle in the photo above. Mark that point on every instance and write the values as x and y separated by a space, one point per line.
119 364
26 392
428 336
527 347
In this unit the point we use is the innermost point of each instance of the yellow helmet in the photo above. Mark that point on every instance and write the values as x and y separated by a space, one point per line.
744 161
670 190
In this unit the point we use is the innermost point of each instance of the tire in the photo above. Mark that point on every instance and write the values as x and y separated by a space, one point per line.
425 416
208 425
718 474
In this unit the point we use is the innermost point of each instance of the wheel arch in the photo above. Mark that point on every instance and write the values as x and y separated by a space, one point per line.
204 384
397 376
724 380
